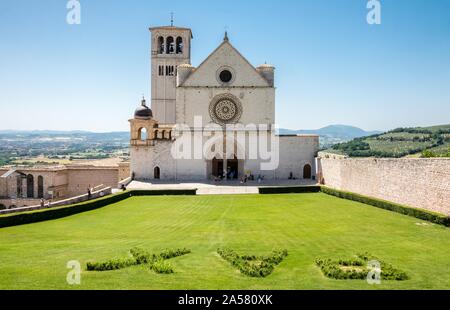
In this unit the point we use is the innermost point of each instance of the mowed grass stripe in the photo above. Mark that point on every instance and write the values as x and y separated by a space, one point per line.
307 225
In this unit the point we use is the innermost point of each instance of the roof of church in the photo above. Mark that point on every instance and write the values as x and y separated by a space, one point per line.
266 66
226 41
143 112
172 28
185 66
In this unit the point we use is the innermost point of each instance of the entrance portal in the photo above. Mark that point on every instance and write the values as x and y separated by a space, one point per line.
232 171
307 171
217 167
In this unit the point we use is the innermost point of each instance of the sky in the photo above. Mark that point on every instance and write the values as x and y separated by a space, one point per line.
332 67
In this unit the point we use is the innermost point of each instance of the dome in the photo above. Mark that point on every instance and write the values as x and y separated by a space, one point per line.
143 112
266 66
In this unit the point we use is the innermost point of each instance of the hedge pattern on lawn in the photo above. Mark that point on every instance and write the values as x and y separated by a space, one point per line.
60 212
289 189
356 268
383 204
253 266
156 262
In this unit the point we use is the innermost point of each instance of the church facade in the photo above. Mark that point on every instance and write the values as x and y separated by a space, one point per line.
212 121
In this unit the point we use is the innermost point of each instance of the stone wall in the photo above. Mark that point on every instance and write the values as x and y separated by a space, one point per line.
144 160
124 171
19 202
59 182
34 204
296 152
420 183
81 178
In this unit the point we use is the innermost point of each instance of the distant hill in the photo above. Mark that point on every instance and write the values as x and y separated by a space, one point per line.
329 135
333 134
61 133
416 142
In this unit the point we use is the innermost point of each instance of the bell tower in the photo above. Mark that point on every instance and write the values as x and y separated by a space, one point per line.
171 47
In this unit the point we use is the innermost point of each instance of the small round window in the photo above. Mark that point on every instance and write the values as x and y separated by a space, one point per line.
225 76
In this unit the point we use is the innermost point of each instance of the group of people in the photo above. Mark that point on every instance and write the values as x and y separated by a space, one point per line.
251 177
230 174
45 203
244 179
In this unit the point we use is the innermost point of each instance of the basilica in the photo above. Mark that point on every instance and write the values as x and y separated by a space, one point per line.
213 121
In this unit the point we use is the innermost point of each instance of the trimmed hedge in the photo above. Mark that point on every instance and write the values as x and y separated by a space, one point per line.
391 206
165 192
112 264
157 263
289 189
251 265
29 217
357 269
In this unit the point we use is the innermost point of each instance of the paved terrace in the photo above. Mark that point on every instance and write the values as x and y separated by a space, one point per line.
217 188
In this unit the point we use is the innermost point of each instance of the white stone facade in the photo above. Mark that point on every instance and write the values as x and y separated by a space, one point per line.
224 91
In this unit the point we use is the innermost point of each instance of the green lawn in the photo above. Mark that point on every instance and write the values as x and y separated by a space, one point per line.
307 225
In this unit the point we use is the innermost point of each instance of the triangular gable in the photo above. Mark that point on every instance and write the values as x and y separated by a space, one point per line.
226 55
10 173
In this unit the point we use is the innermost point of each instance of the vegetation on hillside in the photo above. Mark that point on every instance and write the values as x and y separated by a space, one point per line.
29 148
400 142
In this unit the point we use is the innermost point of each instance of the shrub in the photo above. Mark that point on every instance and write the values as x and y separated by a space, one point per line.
383 204
59 212
428 154
140 257
161 266
253 266
143 257
165 192
168 254
289 189
113 264
357 269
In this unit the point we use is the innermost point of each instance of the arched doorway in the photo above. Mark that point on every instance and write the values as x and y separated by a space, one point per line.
217 167
307 171
233 168
157 173
30 186
19 186
40 186
231 171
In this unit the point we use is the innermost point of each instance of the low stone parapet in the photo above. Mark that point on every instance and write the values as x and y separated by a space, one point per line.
94 195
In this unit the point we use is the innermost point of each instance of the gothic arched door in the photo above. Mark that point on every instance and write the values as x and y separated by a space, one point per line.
307 171
157 173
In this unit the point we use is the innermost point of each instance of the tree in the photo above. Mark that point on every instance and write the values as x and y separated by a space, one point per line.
428 154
